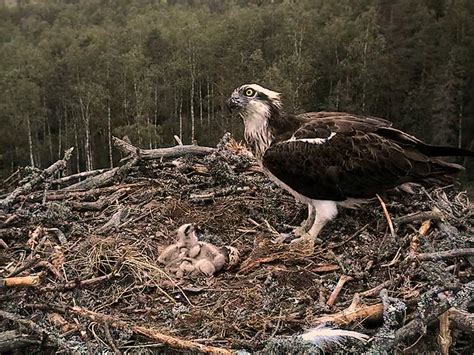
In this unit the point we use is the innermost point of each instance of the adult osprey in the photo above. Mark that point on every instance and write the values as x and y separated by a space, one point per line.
326 159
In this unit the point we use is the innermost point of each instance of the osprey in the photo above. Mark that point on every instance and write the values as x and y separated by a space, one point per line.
326 159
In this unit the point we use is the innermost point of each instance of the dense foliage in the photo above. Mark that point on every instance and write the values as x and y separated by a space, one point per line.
74 72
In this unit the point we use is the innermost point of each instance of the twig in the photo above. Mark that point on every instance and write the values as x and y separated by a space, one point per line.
152 334
110 340
335 293
376 290
418 216
387 216
84 283
444 254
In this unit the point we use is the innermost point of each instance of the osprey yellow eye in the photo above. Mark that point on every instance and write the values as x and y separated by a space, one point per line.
249 92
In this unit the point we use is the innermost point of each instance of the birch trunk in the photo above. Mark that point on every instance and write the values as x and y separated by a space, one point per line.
200 103
180 118
109 135
30 141
192 97
59 133
86 120
208 103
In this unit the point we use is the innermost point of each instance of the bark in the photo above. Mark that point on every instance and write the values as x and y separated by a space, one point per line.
30 141
109 134
191 101
172 152
86 119
208 103
180 118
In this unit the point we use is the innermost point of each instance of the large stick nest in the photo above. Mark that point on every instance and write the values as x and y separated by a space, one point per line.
104 259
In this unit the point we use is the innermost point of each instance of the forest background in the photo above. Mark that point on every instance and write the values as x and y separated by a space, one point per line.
74 73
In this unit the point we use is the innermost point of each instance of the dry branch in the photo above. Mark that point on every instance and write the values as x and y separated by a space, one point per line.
22 281
172 152
352 314
28 187
335 293
84 174
462 320
444 254
418 216
152 334
106 178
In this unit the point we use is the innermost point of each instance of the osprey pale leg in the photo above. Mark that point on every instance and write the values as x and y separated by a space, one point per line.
326 159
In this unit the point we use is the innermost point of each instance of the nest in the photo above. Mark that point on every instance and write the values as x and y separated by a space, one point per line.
98 285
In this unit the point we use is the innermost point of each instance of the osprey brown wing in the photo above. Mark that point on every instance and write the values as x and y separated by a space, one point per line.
336 157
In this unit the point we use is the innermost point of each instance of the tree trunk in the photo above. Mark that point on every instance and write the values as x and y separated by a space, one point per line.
109 131
155 119
87 146
59 114
30 141
180 118
200 103
76 141
192 106
208 103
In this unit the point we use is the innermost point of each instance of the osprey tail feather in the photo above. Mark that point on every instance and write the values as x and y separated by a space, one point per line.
323 336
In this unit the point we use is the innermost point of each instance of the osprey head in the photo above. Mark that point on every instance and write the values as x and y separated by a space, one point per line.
252 99
256 105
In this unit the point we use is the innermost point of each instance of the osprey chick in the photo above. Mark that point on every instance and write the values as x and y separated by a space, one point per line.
326 159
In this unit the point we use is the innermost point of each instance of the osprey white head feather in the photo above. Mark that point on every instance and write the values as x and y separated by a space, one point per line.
255 105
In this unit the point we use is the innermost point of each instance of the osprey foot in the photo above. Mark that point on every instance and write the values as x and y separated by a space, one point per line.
305 243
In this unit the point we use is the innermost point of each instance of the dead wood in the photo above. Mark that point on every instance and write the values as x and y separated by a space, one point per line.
172 152
28 187
354 313
40 331
84 174
429 309
418 216
6 233
21 281
106 178
444 254
335 293
27 264
462 320
13 340
153 334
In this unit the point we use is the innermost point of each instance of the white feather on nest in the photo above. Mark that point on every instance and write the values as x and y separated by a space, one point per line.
324 336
